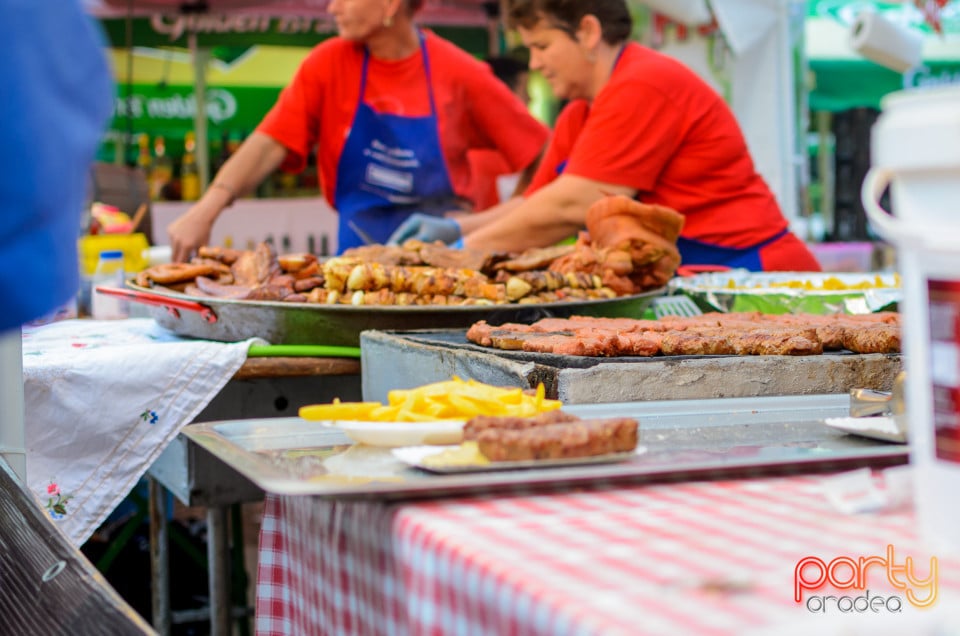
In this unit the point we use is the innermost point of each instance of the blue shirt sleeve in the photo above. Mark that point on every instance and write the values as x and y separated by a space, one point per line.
57 97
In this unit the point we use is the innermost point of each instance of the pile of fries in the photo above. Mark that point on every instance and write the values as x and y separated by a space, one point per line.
453 399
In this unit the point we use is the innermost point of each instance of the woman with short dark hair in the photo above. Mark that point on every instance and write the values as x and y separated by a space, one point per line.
640 124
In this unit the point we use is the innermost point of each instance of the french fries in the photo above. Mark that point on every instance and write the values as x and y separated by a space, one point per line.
338 410
453 399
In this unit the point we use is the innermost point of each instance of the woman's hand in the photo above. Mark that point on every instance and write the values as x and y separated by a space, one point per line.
257 157
191 231
426 228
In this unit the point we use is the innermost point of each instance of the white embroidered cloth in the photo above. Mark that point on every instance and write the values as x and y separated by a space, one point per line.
102 399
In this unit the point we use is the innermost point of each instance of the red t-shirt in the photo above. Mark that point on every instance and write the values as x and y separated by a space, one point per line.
485 167
474 108
659 128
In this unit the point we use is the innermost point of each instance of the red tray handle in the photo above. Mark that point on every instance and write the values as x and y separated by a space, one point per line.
173 305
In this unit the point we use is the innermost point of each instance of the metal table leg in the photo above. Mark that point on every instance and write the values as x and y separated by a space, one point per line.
218 559
159 558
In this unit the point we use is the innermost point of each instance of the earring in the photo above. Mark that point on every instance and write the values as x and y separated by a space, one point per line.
388 21
591 56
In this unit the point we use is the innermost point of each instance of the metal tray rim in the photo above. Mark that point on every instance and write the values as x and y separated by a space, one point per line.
214 301
273 479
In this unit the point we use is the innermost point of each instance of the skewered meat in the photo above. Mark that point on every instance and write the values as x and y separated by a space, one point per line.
347 276
710 334
877 338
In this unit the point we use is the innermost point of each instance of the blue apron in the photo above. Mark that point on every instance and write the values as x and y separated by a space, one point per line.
694 252
391 166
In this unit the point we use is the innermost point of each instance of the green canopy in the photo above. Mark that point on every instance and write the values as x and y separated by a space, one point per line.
841 79
155 77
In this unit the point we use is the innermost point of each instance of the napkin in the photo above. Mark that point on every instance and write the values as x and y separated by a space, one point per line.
102 399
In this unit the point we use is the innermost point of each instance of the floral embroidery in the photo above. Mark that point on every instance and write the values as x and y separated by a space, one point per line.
150 416
57 501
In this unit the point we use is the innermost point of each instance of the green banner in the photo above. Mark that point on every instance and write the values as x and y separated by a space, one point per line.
173 108
169 112
252 58
844 84
249 30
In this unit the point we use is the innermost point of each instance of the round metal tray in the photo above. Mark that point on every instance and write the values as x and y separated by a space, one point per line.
231 320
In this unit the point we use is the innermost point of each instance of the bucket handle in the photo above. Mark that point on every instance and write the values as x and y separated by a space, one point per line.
874 184
888 226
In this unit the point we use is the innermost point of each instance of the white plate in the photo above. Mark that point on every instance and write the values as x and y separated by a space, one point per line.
401 433
879 427
414 455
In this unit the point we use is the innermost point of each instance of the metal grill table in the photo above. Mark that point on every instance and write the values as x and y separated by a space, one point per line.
419 357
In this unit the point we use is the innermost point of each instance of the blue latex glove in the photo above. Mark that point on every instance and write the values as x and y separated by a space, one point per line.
426 228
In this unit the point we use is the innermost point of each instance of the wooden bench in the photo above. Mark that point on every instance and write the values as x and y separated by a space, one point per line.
48 586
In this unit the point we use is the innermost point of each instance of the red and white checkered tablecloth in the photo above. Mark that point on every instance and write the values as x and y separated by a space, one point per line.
715 557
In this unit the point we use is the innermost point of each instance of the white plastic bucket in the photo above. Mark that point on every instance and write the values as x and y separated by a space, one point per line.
915 149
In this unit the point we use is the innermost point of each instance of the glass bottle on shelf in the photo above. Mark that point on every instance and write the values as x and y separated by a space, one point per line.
189 174
162 171
144 159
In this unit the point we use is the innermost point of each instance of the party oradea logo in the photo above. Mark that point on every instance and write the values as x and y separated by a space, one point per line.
842 585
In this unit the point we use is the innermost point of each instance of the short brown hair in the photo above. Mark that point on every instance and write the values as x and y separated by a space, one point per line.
614 17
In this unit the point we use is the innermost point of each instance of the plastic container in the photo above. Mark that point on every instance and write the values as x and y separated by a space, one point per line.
916 152
132 246
109 273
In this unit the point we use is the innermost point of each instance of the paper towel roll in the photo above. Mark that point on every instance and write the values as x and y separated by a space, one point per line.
882 41
688 12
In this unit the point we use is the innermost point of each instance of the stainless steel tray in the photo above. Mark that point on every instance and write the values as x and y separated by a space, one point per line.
781 292
685 439
311 323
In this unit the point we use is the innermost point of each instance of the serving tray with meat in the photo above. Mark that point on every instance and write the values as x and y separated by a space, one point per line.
625 258
709 334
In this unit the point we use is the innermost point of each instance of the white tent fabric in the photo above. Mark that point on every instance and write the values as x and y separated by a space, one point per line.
753 68
745 23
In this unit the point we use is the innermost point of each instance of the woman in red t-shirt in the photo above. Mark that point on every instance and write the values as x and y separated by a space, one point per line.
392 111
640 124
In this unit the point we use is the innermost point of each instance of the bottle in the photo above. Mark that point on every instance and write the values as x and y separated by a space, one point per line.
223 155
189 174
161 172
109 273
144 160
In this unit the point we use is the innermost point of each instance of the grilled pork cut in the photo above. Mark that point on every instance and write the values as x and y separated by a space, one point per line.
579 438
480 423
